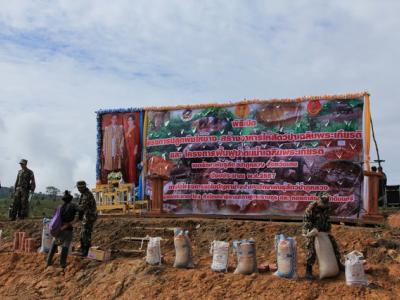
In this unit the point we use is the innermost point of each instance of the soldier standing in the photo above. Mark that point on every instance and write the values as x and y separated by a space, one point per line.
24 184
88 215
316 218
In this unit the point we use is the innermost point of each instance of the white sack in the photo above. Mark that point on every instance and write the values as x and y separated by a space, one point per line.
46 236
220 252
355 274
153 253
328 266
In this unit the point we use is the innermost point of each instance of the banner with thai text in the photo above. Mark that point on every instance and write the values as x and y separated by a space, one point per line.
259 158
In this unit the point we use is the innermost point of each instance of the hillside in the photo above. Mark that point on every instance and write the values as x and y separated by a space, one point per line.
127 276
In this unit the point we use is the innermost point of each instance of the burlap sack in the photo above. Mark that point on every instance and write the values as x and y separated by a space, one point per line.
246 256
286 256
183 250
328 266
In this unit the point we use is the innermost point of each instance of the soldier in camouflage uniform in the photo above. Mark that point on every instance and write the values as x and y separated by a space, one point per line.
24 184
88 215
316 216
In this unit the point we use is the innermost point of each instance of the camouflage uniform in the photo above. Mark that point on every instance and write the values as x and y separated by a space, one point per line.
317 217
88 215
23 185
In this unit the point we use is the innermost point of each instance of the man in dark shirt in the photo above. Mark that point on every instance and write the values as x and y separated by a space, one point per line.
69 214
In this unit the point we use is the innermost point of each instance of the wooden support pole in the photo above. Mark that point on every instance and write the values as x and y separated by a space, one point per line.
372 204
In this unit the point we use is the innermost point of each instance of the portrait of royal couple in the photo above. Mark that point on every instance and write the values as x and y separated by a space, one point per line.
121 145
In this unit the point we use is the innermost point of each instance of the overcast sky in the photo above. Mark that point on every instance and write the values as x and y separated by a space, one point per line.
60 61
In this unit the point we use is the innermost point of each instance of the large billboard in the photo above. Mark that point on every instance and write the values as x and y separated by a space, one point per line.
259 157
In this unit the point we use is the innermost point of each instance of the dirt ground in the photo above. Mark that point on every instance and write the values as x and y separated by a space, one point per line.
126 276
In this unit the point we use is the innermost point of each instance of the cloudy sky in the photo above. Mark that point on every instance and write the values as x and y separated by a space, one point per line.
60 61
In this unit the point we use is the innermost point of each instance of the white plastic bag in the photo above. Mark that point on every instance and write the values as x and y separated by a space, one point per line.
220 252
153 253
328 265
355 274
286 256
46 236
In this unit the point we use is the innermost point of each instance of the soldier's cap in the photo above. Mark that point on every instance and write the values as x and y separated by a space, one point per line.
324 197
81 183
23 162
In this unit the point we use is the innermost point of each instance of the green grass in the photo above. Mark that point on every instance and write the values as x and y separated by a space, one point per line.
40 206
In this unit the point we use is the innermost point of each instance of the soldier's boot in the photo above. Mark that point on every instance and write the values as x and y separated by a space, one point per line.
309 274
50 256
84 250
63 257
81 249
80 252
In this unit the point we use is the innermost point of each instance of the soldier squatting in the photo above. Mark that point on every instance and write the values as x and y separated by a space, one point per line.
316 216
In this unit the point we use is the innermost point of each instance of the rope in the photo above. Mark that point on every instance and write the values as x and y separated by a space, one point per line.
376 144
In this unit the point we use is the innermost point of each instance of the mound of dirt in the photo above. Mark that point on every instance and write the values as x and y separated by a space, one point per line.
126 276
394 220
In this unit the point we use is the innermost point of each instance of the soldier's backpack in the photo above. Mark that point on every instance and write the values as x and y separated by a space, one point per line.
55 223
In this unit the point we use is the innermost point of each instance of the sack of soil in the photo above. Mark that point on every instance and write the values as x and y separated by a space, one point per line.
246 256
183 249
153 253
355 274
46 236
286 256
328 266
220 253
